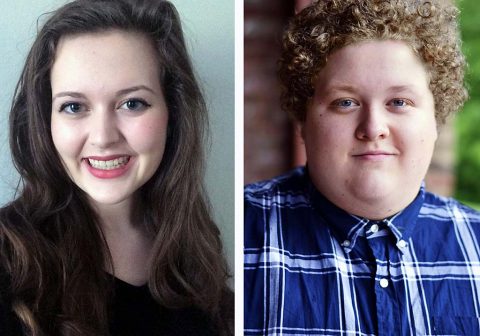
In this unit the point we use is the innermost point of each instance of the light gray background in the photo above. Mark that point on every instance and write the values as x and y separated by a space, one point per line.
209 30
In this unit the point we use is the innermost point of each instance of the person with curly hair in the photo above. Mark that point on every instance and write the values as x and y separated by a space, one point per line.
352 243
111 231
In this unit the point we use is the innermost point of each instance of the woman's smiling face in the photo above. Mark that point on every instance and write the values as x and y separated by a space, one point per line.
109 116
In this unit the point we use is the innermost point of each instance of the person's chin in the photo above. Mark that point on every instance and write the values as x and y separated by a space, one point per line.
373 188
105 198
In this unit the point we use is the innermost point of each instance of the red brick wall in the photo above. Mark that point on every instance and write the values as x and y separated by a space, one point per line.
268 143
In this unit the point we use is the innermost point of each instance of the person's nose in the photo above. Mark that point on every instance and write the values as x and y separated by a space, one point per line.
373 124
104 131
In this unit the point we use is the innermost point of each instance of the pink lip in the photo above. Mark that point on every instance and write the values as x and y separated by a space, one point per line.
107 174
106 158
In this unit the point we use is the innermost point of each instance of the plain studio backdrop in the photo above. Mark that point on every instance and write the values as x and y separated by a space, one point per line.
208 27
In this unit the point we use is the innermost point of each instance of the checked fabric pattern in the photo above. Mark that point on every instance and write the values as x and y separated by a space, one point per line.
312 269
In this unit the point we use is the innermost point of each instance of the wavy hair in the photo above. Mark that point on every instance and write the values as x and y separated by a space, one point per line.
51 243
429 27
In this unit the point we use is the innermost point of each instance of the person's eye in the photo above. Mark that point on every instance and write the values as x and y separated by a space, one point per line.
72 108
399 102
135 105
344 103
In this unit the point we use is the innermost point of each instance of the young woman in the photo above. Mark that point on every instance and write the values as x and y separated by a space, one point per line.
111 232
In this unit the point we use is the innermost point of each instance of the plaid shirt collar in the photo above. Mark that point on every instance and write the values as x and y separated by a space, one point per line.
347 227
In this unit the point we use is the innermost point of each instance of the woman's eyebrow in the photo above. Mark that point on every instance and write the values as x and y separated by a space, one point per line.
121 92
133 89
68 94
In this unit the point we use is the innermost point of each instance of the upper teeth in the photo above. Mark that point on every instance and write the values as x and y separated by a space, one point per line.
109 164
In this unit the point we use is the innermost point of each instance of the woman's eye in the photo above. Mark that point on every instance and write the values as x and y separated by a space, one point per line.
134 105
71 108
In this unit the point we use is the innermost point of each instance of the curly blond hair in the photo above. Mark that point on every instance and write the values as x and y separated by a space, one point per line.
429 27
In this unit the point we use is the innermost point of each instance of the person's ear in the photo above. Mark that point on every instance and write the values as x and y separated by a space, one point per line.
301 4
299 145
300 130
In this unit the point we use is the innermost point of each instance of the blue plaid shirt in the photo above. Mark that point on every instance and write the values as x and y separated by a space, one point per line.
313 269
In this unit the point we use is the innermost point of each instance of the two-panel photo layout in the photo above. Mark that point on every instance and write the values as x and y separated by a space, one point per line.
240 167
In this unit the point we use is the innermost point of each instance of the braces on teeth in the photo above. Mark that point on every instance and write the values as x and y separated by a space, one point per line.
108 165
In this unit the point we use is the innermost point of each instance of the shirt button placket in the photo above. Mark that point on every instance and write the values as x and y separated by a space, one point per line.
402 244
384 286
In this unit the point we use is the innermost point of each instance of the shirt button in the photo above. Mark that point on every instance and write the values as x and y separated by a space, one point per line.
402 243
346 243
374 228
383 283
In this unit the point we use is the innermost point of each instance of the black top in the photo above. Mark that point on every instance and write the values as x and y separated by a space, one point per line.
134 313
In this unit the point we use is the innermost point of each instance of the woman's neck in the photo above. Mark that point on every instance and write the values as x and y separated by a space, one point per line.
128 242
115 217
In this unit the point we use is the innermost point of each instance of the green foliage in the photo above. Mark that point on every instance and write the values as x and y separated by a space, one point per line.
468 121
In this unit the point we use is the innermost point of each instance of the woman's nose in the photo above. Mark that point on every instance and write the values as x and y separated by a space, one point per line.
104 131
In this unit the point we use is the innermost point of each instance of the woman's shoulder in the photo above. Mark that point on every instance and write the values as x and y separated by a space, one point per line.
190 321
10 214
12 230
5 212
9 323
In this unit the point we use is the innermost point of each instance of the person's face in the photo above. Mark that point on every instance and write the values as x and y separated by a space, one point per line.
109 117
370 128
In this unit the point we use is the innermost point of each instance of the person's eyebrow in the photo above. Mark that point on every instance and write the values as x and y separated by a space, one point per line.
68 94
351 89
402 88
340 87
333 89
122 92
133 89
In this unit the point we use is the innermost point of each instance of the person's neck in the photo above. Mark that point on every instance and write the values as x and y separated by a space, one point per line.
378 209
127 240
115 217
373 208
376 214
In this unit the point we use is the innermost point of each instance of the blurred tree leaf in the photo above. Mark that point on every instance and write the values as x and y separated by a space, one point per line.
468 120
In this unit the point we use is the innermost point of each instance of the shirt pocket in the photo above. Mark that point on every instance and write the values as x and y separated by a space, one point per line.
455 325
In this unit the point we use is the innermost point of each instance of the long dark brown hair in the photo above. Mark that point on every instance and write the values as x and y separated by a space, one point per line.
52 247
